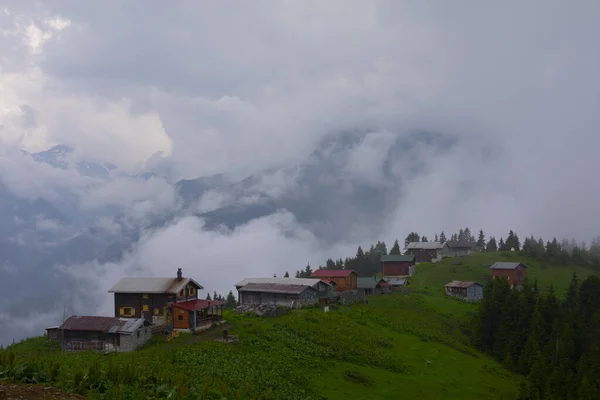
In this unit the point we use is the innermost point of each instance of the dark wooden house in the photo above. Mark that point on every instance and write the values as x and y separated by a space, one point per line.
344 279
278 294
196 315
427 251
460 248
105 334
468 291
398 265
513 272
149 298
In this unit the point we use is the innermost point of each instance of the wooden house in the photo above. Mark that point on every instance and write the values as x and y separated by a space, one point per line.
344 279
513 272
149 298
468 291
106 334
460 248
284 291
398 265
195 315
373 285
427 251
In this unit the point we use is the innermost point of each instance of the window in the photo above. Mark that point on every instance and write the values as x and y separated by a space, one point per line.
127 311
156 311
191 291
180 294
144 296
145 307
138 334
180 317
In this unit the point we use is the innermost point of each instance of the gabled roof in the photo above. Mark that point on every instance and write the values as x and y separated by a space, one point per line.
425 245
461 284
333 273
457 244
275 288
366 282
152 285
284 281
398 258
102 324
506 265
193 305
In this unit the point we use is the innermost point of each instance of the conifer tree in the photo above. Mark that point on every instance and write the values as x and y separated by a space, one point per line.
442 237
395 248
481 241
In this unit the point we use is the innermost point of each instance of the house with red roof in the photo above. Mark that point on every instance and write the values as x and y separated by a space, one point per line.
196 315
343 279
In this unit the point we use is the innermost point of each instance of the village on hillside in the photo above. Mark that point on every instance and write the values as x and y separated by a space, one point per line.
147 306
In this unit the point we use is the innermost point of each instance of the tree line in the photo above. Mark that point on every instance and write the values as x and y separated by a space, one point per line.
563 252
230 301
554 343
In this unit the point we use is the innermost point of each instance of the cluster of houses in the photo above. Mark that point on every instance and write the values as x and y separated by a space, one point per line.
144 306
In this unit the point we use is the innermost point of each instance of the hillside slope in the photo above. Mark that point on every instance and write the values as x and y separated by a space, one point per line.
415 344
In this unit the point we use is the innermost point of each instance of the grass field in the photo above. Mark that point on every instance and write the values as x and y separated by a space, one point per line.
406 345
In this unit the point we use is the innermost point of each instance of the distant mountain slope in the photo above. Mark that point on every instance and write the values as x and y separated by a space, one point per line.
60 157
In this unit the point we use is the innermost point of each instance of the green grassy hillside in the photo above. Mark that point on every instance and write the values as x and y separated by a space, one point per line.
413 345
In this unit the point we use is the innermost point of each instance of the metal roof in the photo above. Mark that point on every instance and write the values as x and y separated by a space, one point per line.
333 273
193 305
462 284
151 285
398 258
125 326
92 324
131 325
397 281
366 282
275 288
425 245
285 281
457 244
506 265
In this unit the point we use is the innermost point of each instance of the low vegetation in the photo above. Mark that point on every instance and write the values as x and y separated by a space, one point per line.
417 343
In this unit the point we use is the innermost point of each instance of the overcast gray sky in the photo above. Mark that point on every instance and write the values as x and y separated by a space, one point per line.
236 87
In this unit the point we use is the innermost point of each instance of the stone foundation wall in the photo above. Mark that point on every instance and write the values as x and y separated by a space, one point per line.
263 310
353 296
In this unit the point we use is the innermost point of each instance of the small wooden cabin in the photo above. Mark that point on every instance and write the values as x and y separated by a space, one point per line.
104 334
398 265
345 279
465 290
427 251
196 315
513 272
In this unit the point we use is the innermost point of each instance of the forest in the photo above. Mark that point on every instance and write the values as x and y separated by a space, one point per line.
554 342
556 252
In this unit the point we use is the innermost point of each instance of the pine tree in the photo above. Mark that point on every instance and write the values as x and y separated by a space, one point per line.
491 245
481 241
308 271
436 238
442 237
231 303
395 248
424 239
286 275
208 296
501 245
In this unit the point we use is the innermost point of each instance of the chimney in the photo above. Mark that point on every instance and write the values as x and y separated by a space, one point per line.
179 277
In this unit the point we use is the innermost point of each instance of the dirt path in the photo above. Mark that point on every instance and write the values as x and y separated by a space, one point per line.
16 391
